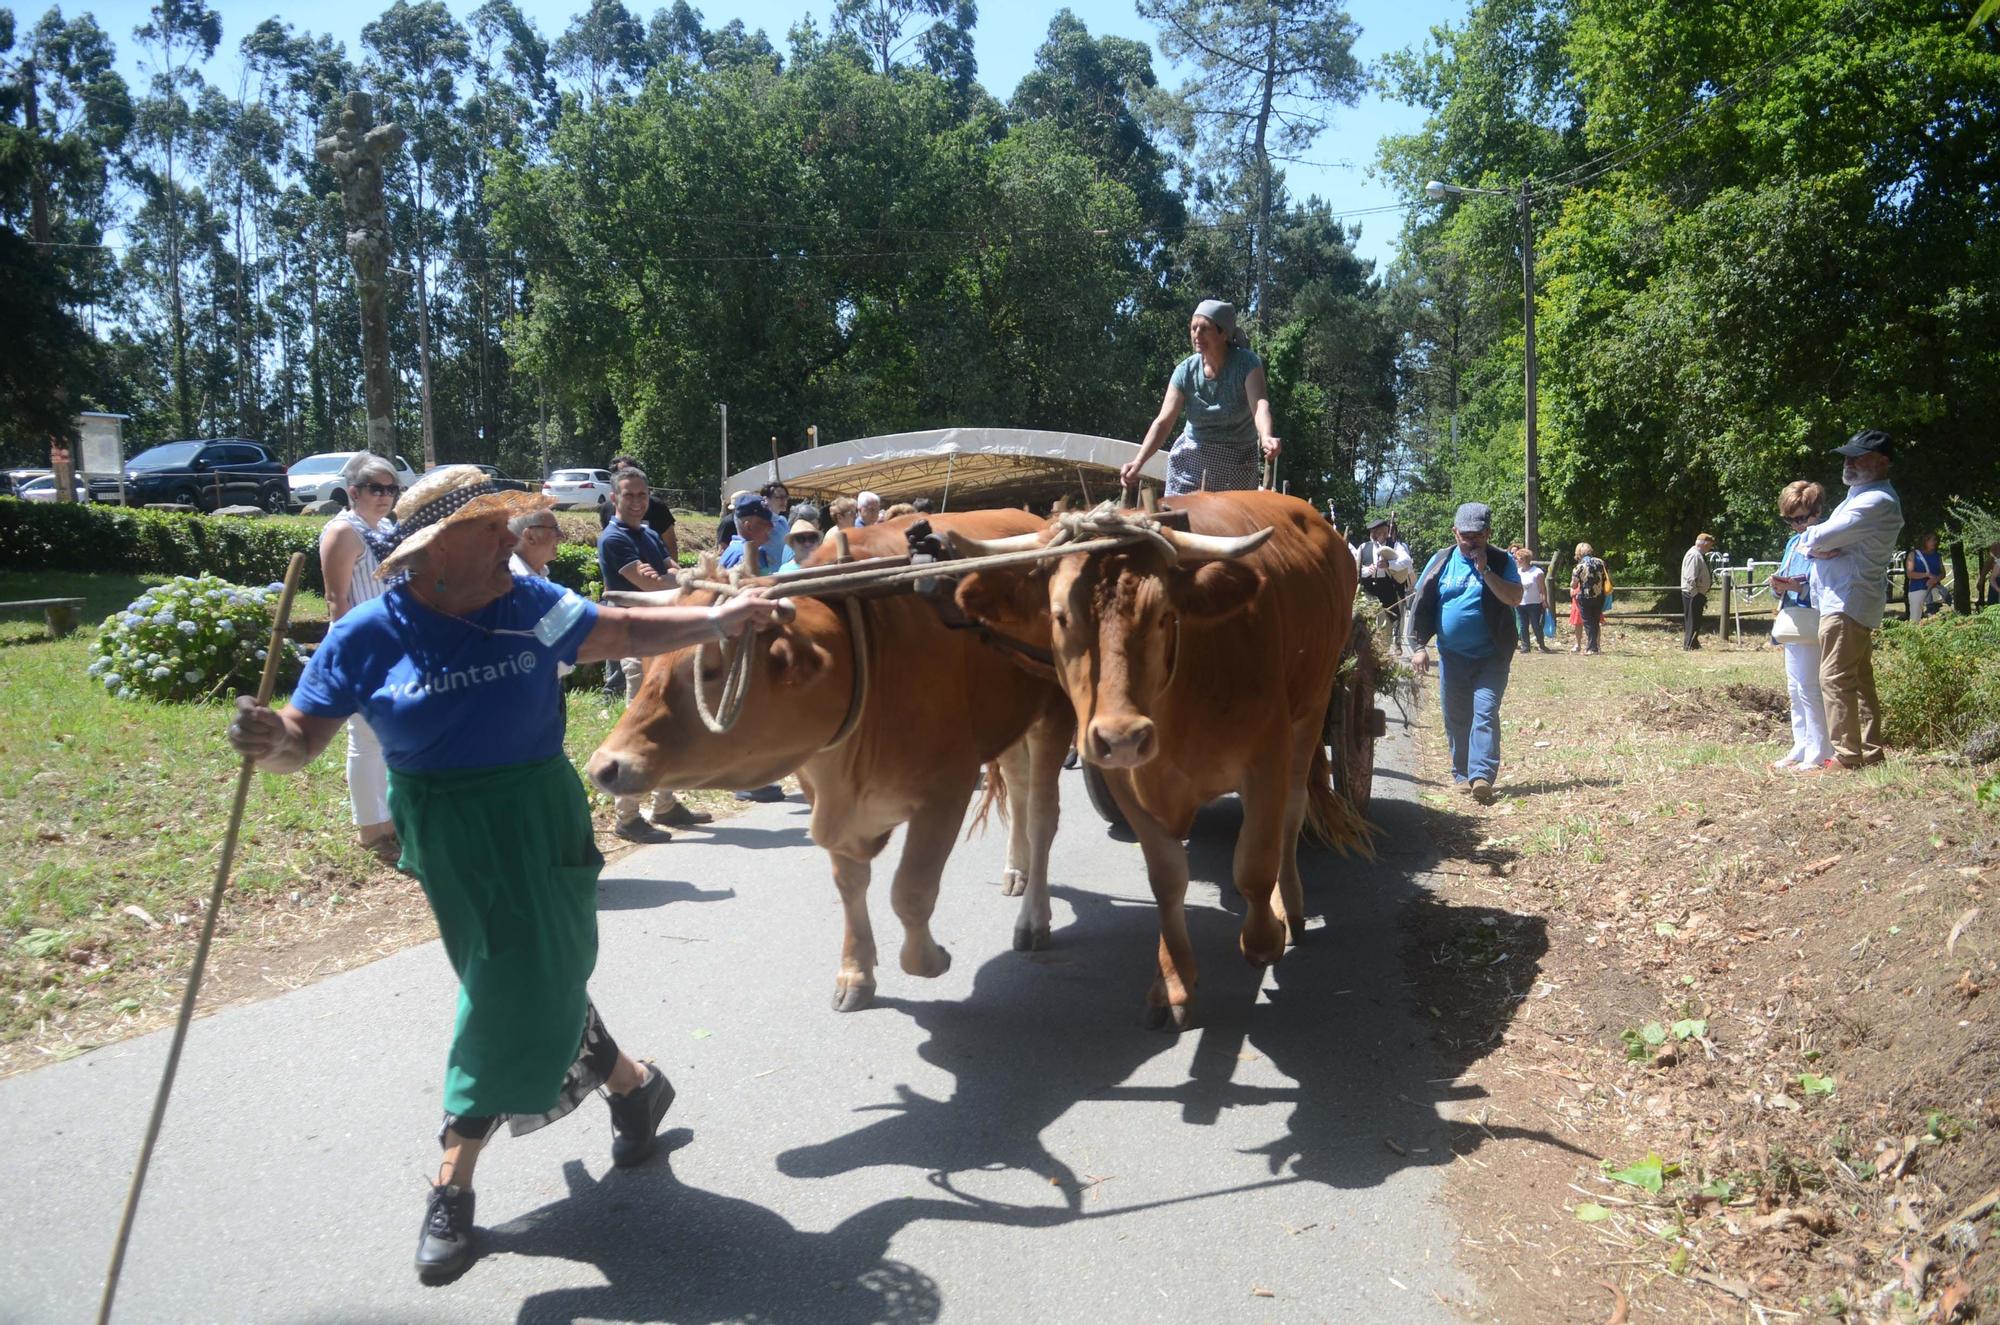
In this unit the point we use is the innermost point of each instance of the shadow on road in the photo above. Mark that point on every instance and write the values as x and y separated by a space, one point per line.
1041 1034
645 894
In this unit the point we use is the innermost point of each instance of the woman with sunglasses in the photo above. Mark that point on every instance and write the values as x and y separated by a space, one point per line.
1800 505
350 548
801 541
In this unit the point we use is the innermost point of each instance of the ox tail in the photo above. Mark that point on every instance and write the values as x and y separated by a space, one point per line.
994 795
1330 819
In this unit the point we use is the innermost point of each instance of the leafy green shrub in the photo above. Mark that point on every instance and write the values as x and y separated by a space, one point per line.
188 639
112 538
1940 681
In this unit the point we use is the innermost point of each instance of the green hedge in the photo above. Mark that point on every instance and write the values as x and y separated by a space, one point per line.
66 537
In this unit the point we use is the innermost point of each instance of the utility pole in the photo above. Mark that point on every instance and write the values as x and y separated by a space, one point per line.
1524 205
356 152
1530 525
722 475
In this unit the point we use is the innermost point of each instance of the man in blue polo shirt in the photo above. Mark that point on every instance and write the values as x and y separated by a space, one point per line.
1466 597
756 528
630 556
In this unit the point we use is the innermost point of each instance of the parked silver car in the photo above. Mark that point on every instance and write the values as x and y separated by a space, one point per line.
317 477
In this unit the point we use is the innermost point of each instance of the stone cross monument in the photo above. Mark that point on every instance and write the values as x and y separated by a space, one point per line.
356 152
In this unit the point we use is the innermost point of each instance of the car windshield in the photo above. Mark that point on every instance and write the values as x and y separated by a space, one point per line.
319 464
163 457
41 484
571 476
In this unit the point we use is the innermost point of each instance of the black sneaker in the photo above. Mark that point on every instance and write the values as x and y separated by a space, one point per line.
445 1248
763 795
682 817
638 830
635 1118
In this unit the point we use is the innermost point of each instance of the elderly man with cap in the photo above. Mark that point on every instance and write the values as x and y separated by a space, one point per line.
759 545
1697 577
1221 389
1386 568
1466 597
1848 552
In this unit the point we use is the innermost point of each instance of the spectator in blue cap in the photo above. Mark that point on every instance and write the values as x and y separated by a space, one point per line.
1466 597
756 529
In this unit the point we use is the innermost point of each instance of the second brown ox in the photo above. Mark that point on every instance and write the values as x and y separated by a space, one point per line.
1197 670
938 705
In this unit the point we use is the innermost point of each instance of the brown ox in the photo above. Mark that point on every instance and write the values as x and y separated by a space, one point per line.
1196 676
940 703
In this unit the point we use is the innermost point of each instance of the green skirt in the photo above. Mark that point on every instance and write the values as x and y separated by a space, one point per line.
509 862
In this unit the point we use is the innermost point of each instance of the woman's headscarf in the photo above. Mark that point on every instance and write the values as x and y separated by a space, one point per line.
1224 317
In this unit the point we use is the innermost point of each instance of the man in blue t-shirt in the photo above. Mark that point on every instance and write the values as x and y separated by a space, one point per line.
1466 597
756 528
631 556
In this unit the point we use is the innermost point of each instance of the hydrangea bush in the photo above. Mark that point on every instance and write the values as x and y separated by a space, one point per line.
192 638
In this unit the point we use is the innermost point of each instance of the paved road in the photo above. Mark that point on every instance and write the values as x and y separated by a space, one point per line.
1005 1143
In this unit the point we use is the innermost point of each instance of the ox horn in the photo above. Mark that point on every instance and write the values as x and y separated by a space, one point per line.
649 598
993 547
1215 547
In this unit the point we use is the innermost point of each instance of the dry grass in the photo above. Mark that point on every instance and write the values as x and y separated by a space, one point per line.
1767 981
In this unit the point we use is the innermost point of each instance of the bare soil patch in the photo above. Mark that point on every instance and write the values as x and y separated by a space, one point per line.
1727 1034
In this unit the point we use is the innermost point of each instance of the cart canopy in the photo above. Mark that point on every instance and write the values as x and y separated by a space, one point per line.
957 468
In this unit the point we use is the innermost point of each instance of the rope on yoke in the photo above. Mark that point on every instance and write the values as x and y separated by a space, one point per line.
1106 521
736 658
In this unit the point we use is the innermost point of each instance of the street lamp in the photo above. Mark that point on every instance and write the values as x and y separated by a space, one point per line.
1438 191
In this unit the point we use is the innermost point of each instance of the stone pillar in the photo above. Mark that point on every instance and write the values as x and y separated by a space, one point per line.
356 152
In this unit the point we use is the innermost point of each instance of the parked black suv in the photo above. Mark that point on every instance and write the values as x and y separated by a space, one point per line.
226 472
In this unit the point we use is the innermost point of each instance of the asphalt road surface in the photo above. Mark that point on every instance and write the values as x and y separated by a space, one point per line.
1004 1143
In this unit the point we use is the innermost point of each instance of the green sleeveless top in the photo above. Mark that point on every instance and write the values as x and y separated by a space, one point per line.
1218 410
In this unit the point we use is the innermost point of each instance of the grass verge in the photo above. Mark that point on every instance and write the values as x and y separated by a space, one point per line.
112 814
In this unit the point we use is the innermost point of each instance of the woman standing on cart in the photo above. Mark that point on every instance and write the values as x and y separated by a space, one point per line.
455 669
1222 391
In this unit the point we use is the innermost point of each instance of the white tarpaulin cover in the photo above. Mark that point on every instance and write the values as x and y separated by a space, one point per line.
958 468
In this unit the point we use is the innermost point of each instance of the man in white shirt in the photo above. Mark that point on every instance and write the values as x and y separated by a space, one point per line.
1386 569
1850 554
1696 579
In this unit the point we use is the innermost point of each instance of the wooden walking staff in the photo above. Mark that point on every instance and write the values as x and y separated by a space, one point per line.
272 654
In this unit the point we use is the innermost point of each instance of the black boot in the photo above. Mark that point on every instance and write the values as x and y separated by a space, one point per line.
445 1248
635 1118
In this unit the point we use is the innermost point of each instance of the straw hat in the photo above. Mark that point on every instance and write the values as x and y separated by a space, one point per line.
446 496
801 527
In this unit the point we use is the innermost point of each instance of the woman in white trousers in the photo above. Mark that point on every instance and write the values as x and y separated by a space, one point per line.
1801 504
348 556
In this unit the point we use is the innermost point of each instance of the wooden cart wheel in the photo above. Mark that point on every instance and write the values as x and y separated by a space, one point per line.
1359 723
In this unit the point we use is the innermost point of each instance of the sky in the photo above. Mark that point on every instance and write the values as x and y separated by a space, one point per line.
1005 42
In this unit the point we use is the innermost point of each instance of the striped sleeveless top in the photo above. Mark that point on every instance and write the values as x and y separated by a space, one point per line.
364 585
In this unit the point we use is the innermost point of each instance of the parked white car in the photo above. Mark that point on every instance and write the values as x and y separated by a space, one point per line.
44 489
578 487
317 477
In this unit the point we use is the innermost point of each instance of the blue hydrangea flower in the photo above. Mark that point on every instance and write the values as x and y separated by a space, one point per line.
189 628
193 677
226 626
113 681
161 673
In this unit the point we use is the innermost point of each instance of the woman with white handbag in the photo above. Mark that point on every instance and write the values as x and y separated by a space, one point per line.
1797 628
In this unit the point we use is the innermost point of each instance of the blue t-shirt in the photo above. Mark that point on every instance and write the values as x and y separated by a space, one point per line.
620 545
444 693
773 552
1461 618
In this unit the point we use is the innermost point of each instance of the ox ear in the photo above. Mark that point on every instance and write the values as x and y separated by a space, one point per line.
1214 590
1004 598
795 661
